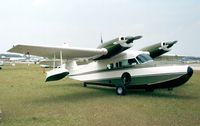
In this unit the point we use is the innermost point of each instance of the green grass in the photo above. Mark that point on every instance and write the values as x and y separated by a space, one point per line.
26 100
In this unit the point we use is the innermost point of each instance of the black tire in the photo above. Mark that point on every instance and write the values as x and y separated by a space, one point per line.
121 90
126 78
149 89
84 85
170 89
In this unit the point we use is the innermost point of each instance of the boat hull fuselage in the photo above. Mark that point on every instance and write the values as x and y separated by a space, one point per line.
138 77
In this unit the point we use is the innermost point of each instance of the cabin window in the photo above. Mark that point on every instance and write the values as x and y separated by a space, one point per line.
132 61
117 65
120 64
108 66
124 63
111 66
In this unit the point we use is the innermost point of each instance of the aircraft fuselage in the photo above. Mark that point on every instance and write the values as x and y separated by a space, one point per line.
127 71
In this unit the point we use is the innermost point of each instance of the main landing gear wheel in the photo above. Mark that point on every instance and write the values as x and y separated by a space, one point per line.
84 85
126 79
121 90
170 89
149 89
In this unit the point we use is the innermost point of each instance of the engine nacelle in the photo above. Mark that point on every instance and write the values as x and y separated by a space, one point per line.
126 41
166 46
159 48
117 45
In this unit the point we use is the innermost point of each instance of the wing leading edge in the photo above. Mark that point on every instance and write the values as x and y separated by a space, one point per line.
67 52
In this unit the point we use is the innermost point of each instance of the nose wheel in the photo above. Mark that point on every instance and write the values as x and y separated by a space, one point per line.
121 90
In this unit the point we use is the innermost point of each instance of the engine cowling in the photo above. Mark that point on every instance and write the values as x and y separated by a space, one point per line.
159 48
166 46
117 46
127 41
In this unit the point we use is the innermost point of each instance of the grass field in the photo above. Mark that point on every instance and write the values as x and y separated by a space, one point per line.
26 100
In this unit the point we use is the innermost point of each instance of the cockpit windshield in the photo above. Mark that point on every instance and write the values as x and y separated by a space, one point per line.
143 58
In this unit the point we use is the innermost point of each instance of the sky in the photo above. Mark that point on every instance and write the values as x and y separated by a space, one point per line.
80 23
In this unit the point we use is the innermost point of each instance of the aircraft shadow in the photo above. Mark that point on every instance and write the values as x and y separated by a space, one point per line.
76 96
143 93
161 94
98 92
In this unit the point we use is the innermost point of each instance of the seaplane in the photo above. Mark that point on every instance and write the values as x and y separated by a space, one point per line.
113 64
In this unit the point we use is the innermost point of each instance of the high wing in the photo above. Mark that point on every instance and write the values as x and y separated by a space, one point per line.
50 52
104 51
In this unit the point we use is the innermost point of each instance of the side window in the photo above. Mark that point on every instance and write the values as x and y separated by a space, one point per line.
132 61
120 64
110 66
124 63
117 65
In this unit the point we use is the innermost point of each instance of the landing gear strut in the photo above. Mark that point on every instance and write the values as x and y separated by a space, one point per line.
170 89
84 85
121 89
149 89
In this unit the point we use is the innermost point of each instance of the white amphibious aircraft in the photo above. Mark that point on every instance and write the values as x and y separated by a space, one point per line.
111 64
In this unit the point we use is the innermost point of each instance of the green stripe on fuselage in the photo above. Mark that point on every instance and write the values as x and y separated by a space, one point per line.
140 80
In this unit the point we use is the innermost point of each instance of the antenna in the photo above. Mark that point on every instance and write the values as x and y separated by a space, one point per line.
54 61
61 58
101 39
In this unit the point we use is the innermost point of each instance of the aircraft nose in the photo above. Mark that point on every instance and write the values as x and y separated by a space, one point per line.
190 71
